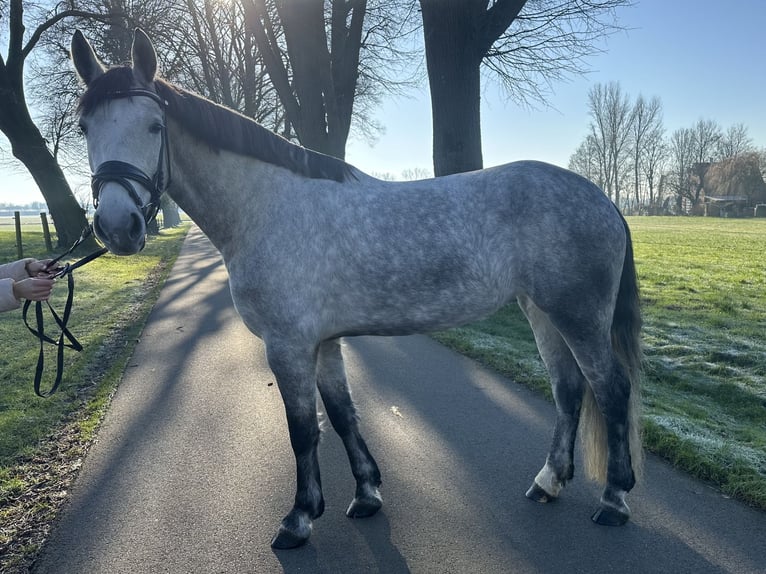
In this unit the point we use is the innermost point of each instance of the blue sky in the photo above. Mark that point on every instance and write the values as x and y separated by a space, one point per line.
702 58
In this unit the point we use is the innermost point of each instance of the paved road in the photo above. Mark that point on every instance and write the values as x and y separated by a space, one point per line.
193 471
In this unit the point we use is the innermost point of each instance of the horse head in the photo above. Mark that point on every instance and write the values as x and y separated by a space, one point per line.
123 120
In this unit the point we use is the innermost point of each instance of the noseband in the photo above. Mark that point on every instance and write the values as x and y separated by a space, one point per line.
125 174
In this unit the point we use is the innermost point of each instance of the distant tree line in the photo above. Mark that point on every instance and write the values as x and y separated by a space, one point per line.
628 153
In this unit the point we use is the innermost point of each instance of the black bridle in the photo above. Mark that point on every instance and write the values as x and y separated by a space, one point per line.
125 174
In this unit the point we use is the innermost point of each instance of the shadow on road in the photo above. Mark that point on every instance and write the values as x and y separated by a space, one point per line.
480 440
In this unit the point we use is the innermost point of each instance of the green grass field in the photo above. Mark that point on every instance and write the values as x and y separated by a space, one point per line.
42 440
703 287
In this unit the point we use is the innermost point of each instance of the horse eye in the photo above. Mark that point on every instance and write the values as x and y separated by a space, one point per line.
156 128
83 129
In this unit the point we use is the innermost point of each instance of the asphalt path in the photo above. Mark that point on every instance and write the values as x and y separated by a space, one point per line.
192 470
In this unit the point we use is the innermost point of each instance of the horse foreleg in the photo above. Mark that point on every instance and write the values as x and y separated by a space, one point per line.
331 379
295 371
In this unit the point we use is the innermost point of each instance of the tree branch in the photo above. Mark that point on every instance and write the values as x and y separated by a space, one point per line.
497 19
57 18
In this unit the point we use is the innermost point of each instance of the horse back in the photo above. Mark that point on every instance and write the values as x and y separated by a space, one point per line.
395 258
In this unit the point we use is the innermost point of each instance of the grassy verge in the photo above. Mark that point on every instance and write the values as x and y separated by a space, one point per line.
42 440
703 286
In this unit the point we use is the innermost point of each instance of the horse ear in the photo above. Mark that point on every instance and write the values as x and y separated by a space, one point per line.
85 60
144 57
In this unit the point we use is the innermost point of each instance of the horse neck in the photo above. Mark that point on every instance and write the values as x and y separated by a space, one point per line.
219 190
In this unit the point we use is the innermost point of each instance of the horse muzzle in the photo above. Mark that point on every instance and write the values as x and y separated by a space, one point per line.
122 227
124 234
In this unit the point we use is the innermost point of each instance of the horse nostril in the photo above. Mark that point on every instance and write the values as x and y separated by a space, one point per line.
97 226
137 226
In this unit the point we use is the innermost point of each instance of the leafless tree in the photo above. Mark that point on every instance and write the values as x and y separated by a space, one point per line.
315 52
526 45
27 142
610 130
735 142
652 162
647 116
707 136
682 157
706 139
586 161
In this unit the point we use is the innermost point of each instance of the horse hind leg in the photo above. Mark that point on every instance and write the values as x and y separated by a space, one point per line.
612 405
568 385
331 379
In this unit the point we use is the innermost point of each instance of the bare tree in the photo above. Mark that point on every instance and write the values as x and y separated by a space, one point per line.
682 156
524 44
27 142
735 142
706 139
220 47
707 136
652 161
313 52
647 115
611 125
55 116
586 162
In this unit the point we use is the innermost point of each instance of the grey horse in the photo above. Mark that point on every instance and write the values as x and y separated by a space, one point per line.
317 250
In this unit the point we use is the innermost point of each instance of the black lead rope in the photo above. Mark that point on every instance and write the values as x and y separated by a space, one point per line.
61 321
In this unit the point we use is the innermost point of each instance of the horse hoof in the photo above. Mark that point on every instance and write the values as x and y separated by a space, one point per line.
285 540
537 494
610 516
365 504
294 531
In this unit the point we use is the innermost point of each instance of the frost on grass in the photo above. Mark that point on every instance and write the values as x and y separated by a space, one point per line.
706 356
709 444
500 348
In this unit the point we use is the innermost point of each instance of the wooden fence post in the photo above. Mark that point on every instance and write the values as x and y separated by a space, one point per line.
19 247
46 231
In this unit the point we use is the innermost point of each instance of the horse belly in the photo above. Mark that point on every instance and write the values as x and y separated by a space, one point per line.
421 302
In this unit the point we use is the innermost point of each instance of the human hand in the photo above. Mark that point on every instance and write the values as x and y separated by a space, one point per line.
39 268
34 288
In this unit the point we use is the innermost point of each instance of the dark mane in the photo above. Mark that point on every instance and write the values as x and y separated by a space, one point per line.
222 128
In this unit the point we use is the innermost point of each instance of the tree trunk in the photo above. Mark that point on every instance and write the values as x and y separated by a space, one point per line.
170 216
27 143
453 59
306 41
29 147
319 93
